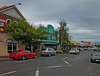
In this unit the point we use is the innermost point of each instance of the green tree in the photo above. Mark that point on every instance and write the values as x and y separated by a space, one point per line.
63 36
25 33
82 41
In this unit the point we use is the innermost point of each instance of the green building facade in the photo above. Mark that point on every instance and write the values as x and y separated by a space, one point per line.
51 41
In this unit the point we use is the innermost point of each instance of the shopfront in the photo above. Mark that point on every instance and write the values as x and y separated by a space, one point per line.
7 43
51 41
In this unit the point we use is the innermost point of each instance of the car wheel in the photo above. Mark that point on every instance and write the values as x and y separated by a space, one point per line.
55 54
13 58
91 61
42 55
35 56
49 54
23 58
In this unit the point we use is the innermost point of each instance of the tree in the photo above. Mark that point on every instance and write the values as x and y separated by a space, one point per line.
82 41
63 36
25 33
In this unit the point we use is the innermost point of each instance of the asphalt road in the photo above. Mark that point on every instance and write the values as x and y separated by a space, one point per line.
60 65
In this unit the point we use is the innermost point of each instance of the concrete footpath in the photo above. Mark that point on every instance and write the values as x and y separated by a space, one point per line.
4 58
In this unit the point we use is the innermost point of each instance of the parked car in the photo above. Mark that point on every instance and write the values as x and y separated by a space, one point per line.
22 54
74 51
81 49
89 49
95 49
95 57
48 52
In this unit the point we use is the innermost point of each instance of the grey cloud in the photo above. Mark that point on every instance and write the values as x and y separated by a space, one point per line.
81 15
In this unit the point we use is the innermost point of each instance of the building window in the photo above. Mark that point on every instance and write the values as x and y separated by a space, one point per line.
8 20
11 45
16 22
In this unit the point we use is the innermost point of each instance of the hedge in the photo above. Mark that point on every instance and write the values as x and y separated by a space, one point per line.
65 50
59 51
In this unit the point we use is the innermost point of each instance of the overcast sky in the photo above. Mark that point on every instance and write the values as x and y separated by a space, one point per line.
82 16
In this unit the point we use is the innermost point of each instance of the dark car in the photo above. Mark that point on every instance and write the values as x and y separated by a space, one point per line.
95 57
22 54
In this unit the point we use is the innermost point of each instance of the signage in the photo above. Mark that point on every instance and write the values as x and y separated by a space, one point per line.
1 24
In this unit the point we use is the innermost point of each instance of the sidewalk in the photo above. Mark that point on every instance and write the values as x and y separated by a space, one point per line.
4 58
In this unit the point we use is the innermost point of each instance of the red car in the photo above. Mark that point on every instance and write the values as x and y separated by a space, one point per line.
22 54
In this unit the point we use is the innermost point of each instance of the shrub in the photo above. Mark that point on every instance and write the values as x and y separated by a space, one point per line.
59 51
65 50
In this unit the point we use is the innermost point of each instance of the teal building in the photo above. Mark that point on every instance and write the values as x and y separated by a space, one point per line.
51 41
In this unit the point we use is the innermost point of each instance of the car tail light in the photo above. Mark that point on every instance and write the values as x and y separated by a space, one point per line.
92 58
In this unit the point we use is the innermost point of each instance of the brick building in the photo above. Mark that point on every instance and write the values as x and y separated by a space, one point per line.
7 44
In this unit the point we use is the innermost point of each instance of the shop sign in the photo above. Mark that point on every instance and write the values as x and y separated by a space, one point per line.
1 24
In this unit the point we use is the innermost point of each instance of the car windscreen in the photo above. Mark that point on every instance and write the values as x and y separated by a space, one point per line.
96 54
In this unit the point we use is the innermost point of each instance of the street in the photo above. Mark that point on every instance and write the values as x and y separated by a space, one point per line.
59 65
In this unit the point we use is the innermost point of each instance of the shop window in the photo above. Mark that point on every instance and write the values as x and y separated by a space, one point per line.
11 46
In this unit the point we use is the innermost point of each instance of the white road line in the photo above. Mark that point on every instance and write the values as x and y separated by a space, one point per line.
73 59
66 62
55 66
77 57
7 73
37 72
64 58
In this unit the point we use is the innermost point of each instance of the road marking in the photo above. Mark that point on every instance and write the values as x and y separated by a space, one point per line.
55 66
7 73
64 58
91 74
37 72
66 62
73 59
77 57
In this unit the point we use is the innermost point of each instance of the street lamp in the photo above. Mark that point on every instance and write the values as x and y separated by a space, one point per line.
19 4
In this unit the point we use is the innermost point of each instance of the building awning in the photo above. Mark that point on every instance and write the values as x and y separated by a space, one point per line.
49 42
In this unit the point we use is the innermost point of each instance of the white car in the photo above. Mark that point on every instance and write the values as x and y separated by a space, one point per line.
48 52
74 51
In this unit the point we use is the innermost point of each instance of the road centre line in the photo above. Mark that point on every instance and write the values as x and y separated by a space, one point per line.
7 73
37 72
